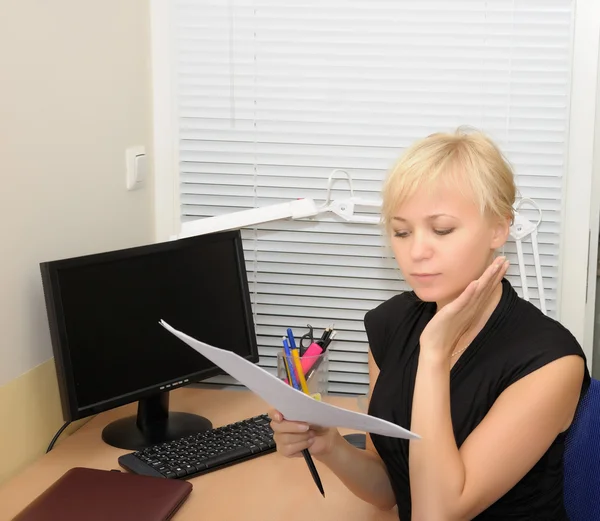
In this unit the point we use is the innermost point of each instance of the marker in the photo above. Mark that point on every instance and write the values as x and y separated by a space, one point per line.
309 359
299 371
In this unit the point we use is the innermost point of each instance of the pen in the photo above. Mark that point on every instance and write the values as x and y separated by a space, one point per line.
307 457
291 339
313 471
290 365
323 337
287 368
328 334
328 340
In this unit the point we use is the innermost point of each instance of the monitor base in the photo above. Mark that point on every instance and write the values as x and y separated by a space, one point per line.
152 425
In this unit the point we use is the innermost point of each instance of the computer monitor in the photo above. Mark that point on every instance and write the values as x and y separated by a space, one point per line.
109 348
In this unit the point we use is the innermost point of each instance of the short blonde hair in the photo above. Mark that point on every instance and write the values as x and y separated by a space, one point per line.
469 161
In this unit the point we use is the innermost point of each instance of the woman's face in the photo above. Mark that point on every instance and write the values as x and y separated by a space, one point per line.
442 242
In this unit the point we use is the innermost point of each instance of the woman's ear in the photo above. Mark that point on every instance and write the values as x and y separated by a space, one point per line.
500 232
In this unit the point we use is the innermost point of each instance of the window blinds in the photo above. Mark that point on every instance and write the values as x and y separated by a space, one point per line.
272 96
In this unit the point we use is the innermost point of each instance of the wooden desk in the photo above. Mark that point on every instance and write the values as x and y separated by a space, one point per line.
267 488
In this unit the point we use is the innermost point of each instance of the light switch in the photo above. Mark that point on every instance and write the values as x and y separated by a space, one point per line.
137 167
140 169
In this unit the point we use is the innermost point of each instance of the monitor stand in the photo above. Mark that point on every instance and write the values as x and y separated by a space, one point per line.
153 424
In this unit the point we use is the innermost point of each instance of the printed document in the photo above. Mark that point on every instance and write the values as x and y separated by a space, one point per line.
293 404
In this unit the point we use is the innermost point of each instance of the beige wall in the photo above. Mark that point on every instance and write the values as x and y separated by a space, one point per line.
74 93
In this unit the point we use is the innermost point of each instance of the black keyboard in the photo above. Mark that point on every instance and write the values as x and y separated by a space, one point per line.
204 452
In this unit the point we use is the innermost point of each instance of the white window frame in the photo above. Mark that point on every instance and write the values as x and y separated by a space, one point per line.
581 203
579 241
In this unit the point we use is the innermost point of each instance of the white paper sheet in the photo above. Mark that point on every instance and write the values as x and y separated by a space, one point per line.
293 404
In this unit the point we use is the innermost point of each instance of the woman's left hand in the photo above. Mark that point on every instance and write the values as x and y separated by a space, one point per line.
443 332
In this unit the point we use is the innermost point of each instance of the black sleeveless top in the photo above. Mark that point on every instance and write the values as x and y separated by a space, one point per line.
517 339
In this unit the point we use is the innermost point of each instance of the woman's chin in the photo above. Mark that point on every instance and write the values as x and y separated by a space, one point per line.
432 294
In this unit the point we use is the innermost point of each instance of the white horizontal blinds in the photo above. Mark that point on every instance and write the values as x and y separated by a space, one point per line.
275 95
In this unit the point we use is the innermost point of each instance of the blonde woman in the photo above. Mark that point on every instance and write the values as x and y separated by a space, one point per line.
489 383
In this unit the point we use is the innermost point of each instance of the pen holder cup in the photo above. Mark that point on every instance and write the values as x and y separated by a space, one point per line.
316 372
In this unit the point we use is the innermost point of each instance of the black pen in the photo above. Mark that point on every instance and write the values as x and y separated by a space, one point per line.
313 470
329 339
323 337
329 333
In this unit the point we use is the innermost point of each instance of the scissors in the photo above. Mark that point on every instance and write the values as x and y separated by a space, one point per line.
306 336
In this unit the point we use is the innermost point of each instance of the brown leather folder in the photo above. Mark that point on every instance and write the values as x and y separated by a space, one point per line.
83 494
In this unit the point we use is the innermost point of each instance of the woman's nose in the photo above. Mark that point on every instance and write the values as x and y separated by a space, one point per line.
420 247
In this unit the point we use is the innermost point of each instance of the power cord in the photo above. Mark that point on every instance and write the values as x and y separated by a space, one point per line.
56 436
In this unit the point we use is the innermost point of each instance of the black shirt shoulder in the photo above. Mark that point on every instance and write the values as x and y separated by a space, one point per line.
532 340
384 320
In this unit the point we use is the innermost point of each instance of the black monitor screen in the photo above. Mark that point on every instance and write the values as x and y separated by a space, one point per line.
110 305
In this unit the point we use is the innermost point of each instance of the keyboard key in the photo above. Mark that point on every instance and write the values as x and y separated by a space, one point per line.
189 469
179 471
200 465
232 455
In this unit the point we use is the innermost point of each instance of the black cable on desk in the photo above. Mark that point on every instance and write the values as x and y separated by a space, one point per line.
60 431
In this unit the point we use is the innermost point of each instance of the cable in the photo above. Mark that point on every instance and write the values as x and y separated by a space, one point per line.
60 431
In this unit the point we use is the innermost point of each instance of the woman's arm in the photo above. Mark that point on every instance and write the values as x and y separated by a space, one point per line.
362 471
448 484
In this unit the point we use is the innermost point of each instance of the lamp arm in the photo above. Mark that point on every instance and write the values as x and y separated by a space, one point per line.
293 209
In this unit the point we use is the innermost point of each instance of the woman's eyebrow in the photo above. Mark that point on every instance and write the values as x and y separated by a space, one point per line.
430 217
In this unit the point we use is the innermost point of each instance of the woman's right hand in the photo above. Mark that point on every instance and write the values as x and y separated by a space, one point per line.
293 437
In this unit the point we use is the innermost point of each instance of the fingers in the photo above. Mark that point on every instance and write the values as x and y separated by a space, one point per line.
494 269
490 279
499 270
275 415
492 275
290 437
481 289
290 445
279 425
466 297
